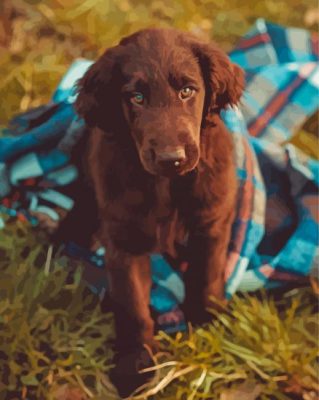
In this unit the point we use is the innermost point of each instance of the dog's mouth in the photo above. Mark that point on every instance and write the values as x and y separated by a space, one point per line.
177 164
171 171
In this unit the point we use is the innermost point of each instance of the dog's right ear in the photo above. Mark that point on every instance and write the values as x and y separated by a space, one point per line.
224 80
98 91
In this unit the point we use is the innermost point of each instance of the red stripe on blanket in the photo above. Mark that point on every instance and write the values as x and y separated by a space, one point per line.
310 201
269 272
244 213
232 260
253 41
172 317
315 44
276 104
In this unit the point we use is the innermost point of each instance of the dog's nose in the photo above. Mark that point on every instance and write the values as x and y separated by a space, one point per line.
171 159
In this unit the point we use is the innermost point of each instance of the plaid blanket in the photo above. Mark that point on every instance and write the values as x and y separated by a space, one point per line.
275 234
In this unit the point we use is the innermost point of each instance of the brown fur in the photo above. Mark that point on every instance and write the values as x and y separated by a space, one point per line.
146 205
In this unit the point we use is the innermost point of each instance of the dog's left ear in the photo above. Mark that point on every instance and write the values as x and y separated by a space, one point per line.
98 92
223 79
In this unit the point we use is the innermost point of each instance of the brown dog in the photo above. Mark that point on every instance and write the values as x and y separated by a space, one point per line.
161 163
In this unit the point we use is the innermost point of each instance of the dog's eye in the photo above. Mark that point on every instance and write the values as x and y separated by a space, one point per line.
137 98
186 92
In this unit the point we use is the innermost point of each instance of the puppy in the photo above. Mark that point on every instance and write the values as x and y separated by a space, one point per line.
160 162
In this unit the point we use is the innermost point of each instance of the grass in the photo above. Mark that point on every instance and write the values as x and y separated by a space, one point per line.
52 330
251 346
54 341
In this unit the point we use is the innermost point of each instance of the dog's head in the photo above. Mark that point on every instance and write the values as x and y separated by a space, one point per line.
159 85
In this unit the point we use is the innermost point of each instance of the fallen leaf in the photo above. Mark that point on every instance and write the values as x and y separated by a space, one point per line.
312 17
245 391
66 392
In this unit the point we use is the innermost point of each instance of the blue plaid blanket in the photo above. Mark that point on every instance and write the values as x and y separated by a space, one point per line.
275 234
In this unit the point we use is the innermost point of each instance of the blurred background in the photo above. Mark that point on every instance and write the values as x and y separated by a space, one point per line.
40 39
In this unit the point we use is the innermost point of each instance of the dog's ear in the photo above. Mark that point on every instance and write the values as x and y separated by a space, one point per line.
98 92
223 79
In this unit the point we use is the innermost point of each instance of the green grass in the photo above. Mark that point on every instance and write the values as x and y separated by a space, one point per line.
53 335
252 345
52 331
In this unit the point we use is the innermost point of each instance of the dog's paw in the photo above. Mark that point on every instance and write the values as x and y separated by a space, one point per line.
201 313
196 315
128 375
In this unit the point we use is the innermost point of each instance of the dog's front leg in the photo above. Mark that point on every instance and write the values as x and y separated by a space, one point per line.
129 279
205 277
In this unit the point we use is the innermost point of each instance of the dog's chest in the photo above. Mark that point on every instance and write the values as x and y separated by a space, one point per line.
168 228
163 202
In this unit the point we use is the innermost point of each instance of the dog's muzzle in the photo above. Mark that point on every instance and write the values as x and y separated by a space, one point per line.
169 162
172 160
